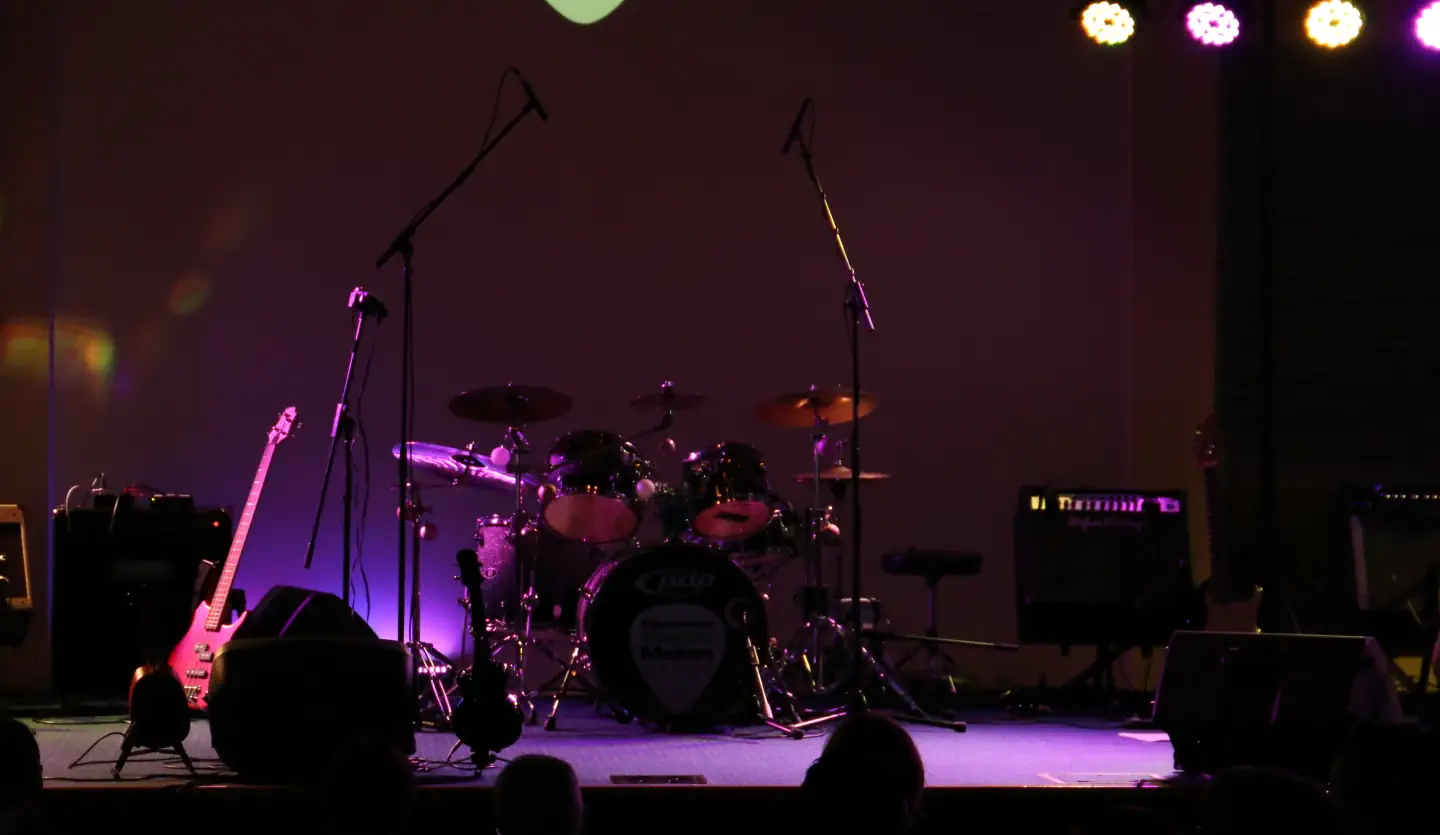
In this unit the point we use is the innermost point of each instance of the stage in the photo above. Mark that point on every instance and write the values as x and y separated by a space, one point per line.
647 781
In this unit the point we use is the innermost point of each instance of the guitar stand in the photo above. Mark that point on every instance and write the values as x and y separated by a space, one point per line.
128 747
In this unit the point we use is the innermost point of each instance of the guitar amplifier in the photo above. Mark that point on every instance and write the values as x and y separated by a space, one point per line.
125 575
1393 539
17 604
1104 567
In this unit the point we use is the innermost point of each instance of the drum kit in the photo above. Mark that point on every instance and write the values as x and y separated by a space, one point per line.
669 629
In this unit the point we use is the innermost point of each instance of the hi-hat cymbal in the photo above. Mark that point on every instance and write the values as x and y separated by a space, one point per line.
667 399
840 474
461 467
798 411
512 405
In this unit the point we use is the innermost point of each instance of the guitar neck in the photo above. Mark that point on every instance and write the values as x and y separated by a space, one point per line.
1211 475
237 545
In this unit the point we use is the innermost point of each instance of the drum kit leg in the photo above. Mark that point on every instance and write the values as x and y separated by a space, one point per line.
670 629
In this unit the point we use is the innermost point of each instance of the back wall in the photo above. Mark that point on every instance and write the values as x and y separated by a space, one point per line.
198 186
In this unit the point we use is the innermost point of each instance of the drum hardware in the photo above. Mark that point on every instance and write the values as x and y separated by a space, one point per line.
342 430
430 669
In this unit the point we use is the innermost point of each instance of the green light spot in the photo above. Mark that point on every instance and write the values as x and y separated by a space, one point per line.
585 12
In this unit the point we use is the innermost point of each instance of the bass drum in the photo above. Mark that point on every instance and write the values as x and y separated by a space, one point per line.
665 631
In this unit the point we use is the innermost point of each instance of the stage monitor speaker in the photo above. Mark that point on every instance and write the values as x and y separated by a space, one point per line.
280 707
1243 698
292 612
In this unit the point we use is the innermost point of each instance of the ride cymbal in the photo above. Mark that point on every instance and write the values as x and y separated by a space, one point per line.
461 467
667 399
512 405
798 411
840 474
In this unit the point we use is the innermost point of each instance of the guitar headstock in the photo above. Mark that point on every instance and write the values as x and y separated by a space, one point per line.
283 426
1207 443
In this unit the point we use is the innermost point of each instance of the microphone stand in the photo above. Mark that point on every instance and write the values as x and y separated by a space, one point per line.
404 246
857 306
343 426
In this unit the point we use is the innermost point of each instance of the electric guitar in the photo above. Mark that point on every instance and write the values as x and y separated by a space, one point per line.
1241 616
195 654
486 719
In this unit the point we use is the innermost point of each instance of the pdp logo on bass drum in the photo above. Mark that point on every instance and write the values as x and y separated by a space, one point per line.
672 583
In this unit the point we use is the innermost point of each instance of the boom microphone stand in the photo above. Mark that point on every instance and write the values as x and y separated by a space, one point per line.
404 246
364 305
857 306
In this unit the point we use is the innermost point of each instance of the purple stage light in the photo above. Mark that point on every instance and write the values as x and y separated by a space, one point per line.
1427 26
1212 24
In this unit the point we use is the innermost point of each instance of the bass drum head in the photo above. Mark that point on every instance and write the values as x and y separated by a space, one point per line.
665 631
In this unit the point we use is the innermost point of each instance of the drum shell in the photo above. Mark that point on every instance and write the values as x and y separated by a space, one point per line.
666 632
561 567
596 488
726 479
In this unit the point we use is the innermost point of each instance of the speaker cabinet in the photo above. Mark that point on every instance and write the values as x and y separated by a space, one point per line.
291 612
280 707
1239 698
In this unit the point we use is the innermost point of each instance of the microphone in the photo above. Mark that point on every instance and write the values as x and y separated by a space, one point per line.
530 94
795 127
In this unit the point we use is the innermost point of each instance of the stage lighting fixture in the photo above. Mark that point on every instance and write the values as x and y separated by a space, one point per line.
1427 26
1108 24
1212 24
1334 23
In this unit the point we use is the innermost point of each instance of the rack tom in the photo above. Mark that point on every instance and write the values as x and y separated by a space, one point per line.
596 488
727 490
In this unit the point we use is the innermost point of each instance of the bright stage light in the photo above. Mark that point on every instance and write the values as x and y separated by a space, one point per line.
1107 24
1427 26
1212 24
1334 23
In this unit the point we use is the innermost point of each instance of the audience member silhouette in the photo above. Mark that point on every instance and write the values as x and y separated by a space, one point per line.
21 777
367 787
538 795
869 778
1263 800
1383 778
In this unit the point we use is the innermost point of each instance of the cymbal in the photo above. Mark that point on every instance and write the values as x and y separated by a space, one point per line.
840 474
512 405
798 411
461 467
667 399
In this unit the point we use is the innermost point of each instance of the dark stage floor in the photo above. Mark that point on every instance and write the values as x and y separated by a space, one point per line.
994 753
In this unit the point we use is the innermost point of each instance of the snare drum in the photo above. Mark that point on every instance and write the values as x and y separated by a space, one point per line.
665 631
727 490
560 568
596 489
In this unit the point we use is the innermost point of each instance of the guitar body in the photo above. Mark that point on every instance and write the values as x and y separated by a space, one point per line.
194 656
486 719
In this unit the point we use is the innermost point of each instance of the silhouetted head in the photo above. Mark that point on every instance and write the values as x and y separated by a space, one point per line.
869 777
1261 800
1384 775
538 795
21 778
368 787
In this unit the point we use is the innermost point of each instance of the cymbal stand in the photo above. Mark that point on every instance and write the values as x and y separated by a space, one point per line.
428 664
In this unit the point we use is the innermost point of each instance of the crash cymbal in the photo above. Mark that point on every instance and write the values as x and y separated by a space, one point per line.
840 474
461 467
798 411
512 405
667 399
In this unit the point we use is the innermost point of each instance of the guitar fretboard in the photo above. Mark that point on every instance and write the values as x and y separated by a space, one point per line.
237 545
